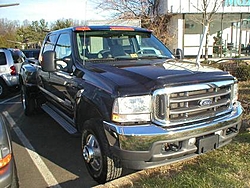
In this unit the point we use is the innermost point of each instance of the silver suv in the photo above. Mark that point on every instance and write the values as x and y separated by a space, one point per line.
10 63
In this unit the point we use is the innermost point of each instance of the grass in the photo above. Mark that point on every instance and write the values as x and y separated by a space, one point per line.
227 167
244 98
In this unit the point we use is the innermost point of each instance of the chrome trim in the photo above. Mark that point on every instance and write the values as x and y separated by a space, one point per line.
54 97
189 109
143 137
195 87
171 104
191 98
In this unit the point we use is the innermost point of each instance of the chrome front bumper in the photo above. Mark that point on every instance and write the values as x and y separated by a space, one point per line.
142 146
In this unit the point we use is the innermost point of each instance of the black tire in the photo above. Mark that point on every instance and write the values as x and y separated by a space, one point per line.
14 183
99 160
28 103
3 89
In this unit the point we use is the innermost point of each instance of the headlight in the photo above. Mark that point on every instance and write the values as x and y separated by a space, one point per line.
234 93
132 109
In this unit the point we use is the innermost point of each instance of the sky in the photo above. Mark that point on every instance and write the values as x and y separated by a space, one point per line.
51 10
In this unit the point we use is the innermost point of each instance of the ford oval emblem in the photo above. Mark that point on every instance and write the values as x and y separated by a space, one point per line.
205 102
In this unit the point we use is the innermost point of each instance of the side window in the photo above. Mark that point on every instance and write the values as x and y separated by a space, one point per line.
63 53
50 42
2 59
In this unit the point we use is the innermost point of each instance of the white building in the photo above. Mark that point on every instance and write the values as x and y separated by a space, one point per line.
232 20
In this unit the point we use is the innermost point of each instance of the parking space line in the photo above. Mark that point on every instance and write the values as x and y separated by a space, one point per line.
41 166
5 101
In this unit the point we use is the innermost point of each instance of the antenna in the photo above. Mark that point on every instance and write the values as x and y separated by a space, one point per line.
85 47
85 12
84 34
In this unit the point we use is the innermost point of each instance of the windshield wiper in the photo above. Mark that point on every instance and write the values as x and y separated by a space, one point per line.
125 58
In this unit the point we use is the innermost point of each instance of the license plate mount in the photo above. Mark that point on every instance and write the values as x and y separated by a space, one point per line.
207 144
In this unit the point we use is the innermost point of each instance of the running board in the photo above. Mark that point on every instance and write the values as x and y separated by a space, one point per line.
59 119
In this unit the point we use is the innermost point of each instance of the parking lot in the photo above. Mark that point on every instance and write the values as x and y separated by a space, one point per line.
45 154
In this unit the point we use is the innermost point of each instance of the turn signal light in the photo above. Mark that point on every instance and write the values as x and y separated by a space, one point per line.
5 160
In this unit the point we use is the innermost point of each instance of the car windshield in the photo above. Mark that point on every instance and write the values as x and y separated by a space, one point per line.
119 45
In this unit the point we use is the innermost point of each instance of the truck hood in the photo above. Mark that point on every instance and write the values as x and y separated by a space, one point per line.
144 76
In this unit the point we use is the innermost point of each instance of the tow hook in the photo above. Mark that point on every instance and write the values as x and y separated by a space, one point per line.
231 130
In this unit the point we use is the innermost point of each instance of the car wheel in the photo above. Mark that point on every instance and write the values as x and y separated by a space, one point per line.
3 89
28 103
99 160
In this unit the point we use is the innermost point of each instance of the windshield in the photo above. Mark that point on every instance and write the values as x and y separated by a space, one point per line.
104 45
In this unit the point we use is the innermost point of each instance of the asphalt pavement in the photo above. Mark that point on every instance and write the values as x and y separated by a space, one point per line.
45 154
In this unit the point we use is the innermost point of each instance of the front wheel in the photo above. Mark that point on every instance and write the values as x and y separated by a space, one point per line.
27 102
99 160
3 89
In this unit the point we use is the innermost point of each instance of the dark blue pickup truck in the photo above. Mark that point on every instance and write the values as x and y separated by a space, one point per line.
133 102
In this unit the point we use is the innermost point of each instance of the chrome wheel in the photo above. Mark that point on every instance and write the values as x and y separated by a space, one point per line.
102 165
92 153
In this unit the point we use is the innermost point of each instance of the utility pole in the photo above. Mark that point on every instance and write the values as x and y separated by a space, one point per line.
8 5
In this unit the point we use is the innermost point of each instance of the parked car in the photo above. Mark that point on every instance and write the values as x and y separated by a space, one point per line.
8 172
10 63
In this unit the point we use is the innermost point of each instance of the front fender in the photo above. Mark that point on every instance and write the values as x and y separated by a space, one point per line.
28 75
93 103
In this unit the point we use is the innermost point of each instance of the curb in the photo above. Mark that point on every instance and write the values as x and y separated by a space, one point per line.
125 181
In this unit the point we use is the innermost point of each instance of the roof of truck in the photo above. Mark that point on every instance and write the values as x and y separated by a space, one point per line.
106 28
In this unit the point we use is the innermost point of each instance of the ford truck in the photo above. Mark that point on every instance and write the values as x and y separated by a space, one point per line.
133 102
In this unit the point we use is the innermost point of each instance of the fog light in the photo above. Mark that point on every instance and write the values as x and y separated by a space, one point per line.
191 141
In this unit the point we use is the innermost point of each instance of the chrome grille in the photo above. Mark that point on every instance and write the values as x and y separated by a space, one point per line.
192 103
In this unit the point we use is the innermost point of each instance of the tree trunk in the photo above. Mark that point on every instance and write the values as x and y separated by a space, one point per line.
206 47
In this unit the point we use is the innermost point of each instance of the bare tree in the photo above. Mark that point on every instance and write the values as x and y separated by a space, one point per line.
208 8
7 32
146 10
127 8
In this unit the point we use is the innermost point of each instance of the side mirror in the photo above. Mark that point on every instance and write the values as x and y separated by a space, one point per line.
48 61
179 53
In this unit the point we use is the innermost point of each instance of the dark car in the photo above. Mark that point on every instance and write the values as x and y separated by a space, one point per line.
8 173
31 53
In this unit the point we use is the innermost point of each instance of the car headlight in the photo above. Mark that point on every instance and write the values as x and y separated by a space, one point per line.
132 109
234 93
